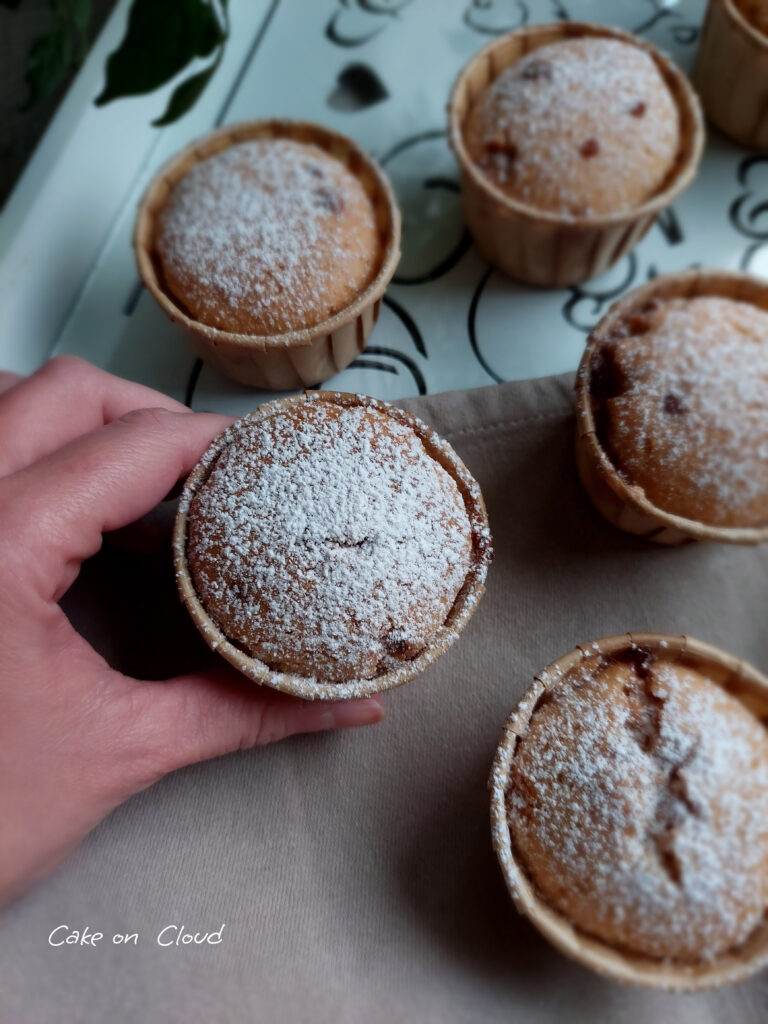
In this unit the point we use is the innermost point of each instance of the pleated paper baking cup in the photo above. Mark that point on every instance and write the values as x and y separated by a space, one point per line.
294 359
459 614
541 247
742 682
623 504
731 74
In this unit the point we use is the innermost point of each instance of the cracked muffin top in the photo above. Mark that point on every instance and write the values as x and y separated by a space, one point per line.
680 393
582 127
267 236
329 539
638 806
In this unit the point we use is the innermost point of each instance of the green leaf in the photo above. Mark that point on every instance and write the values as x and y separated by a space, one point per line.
77 13
162 37
47 64
185 95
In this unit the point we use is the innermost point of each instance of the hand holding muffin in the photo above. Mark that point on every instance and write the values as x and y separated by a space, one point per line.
83 453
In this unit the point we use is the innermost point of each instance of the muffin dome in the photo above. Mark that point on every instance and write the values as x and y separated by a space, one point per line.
681 391
329 541
581 127
638 806
267 236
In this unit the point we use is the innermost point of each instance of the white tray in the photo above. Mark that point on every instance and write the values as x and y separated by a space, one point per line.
67 277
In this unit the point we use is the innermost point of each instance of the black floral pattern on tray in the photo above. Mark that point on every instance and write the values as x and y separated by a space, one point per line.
389 364
423 174
472 327
588 302
667 17
357 87
386 359
495 17
357 22
749 210
669 224
582 305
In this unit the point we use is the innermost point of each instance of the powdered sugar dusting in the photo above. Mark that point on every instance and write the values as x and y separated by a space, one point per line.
692 409
328 542
638 802
580 127
272 231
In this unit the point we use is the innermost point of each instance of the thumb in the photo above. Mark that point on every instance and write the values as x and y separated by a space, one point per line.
195 717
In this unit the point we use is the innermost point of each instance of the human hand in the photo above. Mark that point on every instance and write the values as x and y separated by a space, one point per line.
83 453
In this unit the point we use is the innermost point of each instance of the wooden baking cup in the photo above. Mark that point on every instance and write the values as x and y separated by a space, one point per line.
744 683
295 359
731 74
461 612
538 246
623 504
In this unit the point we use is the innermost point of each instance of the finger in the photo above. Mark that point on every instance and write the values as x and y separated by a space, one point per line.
64 399
60 505
195 717
149 535
8 380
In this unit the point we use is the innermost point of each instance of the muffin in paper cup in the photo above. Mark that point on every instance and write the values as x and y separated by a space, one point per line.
276 359
622 502
354 556
731 74
745 696
544 247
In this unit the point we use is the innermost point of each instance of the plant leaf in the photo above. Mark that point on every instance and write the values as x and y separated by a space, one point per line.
162 37
77 12
77 15
185 95
47 64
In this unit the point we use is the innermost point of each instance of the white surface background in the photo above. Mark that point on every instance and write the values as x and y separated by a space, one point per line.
67 277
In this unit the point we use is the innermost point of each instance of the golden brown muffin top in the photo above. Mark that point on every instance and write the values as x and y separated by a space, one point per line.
638 804
327 541
267 236
581 127
682 397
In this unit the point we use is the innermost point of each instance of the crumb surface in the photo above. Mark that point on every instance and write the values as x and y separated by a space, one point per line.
681 397
328 542
266 237
581 127
638 804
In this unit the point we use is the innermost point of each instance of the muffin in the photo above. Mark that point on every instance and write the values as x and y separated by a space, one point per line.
570 139
272 244
733 49
580 127
267 236
633 801
676 381
331 545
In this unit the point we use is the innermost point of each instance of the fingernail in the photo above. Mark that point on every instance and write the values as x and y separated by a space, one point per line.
351 713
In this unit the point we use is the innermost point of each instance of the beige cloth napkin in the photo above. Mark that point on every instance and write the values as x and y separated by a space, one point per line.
354 871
